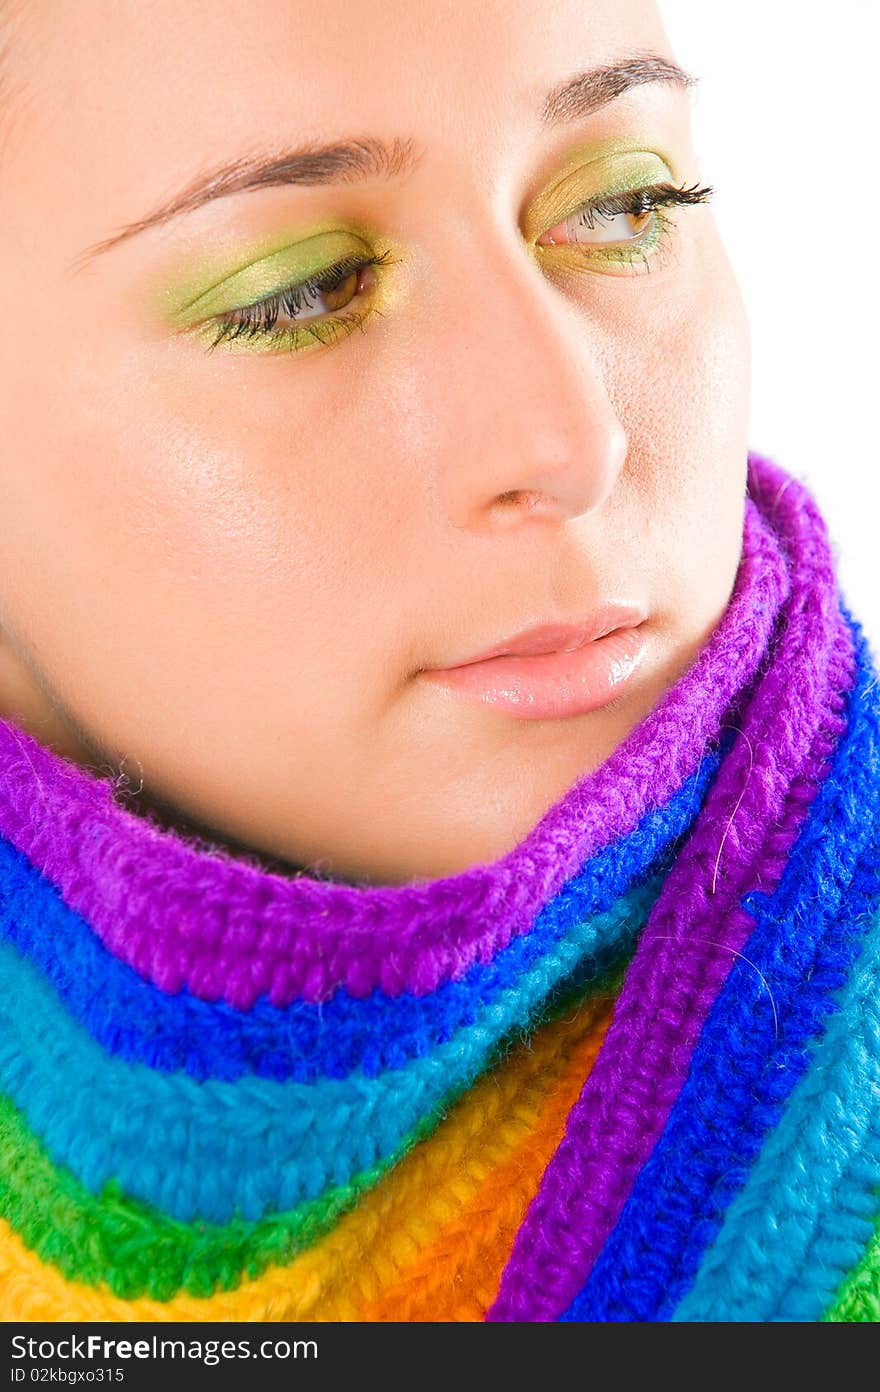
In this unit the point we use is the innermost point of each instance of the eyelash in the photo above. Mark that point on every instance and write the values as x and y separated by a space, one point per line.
653 197
258 320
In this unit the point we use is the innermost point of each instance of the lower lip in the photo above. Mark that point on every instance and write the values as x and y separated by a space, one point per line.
552 685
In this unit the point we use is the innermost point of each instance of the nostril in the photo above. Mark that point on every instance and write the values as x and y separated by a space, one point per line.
516 495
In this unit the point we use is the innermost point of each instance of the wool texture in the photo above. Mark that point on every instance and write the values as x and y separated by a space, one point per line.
628 1071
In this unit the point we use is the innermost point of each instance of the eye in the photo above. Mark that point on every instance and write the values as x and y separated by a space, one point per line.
307 311
624 226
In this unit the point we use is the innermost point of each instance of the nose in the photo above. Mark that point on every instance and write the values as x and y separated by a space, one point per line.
527 430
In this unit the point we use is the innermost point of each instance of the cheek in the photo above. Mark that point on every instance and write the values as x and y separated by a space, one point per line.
268 466
244 492
183 538
684 401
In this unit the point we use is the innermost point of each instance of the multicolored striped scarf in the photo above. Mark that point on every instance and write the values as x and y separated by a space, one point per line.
629 1071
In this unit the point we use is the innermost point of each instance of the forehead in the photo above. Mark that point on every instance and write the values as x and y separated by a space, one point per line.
167 76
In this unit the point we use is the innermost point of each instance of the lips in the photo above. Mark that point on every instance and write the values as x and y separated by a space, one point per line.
558 637
551 671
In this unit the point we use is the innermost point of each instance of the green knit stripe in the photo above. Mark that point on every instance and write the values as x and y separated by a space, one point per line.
136 1250
858 1299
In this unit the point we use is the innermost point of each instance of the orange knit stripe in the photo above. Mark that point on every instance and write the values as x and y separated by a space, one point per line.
457 1276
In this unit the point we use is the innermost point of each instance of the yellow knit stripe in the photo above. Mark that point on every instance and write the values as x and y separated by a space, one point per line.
373 1245
456 1277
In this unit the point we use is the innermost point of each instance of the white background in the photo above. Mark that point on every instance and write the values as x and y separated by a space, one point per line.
786 122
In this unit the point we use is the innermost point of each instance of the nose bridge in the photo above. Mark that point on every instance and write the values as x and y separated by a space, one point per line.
518 384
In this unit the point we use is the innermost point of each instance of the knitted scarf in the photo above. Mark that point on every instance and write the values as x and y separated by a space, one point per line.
628 1071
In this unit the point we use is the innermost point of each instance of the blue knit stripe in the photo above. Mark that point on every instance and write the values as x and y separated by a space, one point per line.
806 937
820 1168
213 1148
810 1205
131 1017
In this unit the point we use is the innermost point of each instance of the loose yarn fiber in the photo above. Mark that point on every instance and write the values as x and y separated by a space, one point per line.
629 1071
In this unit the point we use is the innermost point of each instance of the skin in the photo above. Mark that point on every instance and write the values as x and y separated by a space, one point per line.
221 570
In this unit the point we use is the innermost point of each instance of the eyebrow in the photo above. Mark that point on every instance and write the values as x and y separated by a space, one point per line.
349 161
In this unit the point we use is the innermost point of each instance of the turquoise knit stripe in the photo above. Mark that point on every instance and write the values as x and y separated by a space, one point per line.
213 1148
810 1204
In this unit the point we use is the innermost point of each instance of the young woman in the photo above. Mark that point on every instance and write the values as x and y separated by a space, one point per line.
439 790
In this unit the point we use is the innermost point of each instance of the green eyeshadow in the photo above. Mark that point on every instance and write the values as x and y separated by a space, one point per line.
206 294
595 179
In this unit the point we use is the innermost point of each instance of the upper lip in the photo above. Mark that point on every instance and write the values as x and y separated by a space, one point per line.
561 637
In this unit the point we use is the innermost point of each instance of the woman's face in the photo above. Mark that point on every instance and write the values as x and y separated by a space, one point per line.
226 560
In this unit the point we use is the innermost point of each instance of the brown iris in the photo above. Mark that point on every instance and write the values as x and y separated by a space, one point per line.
340 295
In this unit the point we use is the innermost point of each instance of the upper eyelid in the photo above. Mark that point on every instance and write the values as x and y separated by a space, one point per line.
581 180
294 286
190 308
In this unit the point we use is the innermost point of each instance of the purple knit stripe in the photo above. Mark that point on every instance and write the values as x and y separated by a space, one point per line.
184 915
792 722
